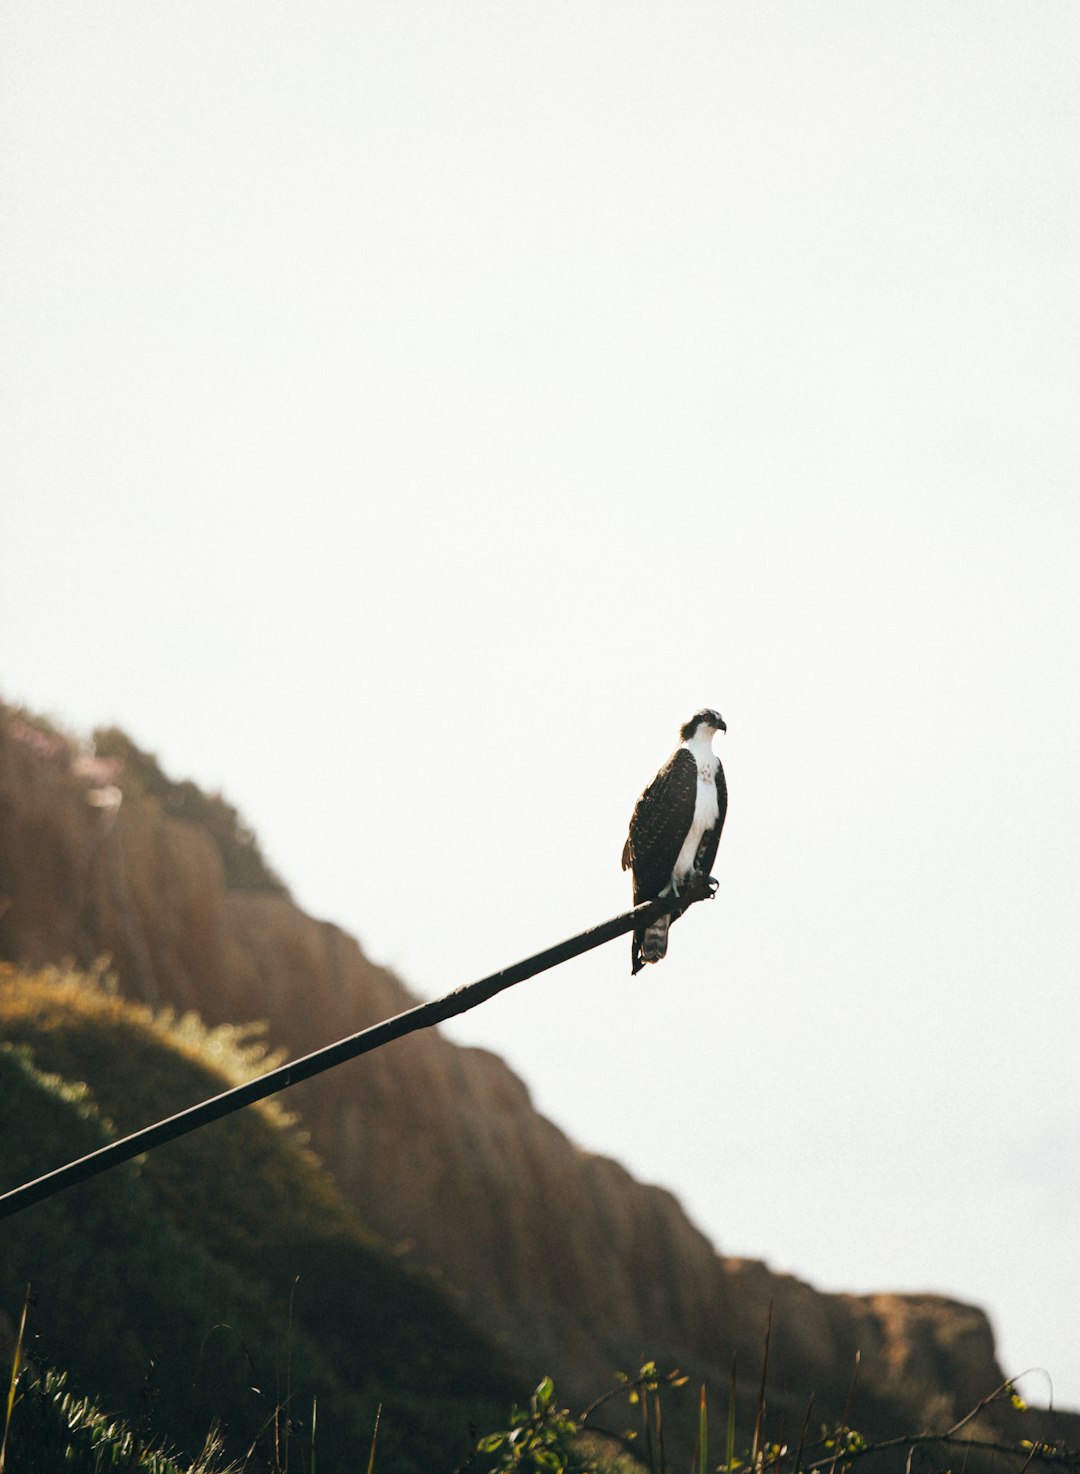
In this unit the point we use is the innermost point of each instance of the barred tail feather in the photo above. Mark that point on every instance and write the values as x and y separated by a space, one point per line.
650 944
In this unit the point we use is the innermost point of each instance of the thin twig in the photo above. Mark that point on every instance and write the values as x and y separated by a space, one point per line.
804 1430
1063 1458
759 1419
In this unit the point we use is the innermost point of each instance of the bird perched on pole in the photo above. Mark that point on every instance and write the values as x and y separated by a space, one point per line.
675 827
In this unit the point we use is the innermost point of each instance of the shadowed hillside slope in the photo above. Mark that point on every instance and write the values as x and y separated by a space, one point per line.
222 1275
576 1267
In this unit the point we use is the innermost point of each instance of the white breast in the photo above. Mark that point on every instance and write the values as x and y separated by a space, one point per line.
706 805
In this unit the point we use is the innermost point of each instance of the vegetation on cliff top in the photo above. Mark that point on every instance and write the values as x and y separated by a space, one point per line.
113 758
141 776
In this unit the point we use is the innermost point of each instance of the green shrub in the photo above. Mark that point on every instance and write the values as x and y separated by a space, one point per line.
221 1277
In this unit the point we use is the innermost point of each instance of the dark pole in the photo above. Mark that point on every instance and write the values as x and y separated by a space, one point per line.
423 1016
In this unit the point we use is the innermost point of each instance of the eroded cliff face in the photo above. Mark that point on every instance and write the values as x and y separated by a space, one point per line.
576 1267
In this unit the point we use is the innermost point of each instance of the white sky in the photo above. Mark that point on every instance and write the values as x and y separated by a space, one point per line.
411 412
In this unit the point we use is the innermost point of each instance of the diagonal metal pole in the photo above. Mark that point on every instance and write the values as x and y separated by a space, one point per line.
423 1016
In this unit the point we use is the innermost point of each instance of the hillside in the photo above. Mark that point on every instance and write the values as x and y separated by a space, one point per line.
571 1265
223 1275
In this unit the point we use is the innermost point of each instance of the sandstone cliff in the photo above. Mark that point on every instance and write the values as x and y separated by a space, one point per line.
575 1266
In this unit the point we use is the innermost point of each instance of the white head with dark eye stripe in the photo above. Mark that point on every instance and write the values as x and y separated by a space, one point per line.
704 725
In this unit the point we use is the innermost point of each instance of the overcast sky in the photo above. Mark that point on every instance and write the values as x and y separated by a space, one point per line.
410 413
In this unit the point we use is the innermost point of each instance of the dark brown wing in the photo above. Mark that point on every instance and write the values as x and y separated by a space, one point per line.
706 855
661 818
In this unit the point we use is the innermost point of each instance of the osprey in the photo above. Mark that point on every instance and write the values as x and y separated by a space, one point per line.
675 827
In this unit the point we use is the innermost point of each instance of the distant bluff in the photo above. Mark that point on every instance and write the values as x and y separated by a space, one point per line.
561 1255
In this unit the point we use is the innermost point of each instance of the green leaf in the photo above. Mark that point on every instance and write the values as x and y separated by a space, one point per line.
489 1444
543 1394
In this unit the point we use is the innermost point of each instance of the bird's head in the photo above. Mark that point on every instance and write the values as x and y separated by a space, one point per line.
705 723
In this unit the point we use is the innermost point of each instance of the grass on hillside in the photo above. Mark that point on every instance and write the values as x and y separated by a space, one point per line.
220 1277
56 1430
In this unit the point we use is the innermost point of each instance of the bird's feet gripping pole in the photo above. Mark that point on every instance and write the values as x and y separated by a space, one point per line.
696 887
